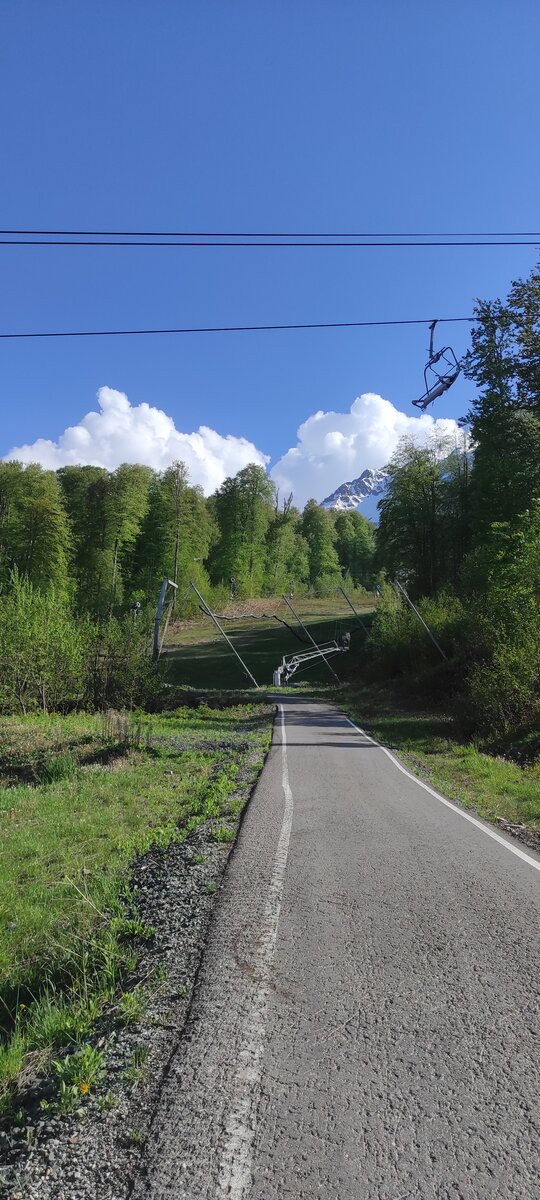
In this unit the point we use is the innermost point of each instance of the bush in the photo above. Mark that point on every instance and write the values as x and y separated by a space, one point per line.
52 661
502 695
399 645
503 637
121 673
44 651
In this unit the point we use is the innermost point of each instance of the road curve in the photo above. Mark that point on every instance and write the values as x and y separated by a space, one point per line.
364 1022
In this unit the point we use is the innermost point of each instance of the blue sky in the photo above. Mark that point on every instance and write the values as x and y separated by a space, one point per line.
243 115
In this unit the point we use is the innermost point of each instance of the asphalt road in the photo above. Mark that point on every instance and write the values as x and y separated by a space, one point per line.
366 1014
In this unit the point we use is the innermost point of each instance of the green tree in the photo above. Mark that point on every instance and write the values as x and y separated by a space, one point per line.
317 527
242 508
174 537
504 362
287 554
355 547
106 511
12 492
503 651
34 529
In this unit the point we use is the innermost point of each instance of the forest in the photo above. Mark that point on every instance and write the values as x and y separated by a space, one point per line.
83 552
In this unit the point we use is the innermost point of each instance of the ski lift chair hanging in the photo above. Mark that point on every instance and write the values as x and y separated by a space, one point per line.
440 372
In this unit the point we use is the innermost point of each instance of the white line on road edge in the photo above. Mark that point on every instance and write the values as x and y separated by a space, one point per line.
235 1165
533 862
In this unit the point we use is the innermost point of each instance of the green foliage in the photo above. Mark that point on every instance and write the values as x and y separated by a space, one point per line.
102 542
398 644
317 527
423 528
44 653
355 547
242 508
121 674
34 529
503 576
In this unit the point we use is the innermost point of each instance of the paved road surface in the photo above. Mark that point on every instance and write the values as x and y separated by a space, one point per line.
364 1022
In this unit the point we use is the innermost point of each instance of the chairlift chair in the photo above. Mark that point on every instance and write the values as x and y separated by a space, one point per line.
440 372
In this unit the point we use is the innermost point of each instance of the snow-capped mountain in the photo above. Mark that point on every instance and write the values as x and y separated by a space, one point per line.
361 493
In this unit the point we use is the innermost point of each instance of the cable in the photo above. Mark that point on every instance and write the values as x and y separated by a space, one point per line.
118 233
267 245
225 328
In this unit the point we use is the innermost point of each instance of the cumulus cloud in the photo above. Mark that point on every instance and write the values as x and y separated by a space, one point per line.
121 432
336 447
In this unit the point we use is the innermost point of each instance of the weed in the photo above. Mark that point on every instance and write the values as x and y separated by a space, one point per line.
135 1071
198 860
223 834
135 1136
82 1069
131 1006
211 887
57 767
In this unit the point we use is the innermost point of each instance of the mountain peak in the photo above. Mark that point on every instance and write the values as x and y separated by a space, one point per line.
351 495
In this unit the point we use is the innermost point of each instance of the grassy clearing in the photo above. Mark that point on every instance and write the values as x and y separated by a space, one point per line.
429 744
80 798
196 655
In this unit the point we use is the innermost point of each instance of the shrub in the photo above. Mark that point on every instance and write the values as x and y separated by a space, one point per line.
44 651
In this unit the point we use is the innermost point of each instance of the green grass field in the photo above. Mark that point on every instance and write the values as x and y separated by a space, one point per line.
196 655
80 798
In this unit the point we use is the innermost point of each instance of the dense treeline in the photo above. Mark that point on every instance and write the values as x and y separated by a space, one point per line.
83 552
105 540
460 527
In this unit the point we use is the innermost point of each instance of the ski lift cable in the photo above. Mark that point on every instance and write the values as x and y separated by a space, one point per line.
191 233
115 243
74 333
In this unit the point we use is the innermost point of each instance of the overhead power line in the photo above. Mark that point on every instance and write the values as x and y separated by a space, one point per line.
145 233
259 245
72 333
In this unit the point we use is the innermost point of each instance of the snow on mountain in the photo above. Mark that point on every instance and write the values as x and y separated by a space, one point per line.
361 493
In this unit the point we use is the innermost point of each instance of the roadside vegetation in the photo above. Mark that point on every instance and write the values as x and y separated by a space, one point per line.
460 528
81 797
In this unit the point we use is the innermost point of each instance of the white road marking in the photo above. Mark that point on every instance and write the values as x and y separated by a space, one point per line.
235 1165
533 862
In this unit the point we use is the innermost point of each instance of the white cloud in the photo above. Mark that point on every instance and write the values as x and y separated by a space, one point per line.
336 447
121 432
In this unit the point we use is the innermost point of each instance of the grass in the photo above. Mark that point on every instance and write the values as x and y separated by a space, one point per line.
80 798
197 656
429 743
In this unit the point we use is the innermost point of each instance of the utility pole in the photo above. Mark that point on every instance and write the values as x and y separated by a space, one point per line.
156 649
